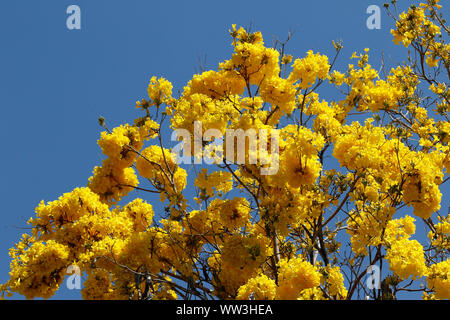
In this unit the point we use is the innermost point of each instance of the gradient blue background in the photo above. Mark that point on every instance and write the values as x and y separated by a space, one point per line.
55 82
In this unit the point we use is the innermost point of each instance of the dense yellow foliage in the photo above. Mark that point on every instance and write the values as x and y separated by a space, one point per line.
236 233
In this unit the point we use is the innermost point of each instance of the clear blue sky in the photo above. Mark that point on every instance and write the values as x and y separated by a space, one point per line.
55 82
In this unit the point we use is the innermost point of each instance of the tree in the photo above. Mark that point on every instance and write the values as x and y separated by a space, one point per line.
302 204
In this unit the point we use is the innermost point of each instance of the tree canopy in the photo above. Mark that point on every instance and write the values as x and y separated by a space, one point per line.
305 196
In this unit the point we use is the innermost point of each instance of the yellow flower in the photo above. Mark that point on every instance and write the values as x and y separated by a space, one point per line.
294 276
439 279
159 91
308 69
221 181
260 288
406 258
335 282
279 92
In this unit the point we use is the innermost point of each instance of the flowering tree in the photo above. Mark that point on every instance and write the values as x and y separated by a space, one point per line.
308 228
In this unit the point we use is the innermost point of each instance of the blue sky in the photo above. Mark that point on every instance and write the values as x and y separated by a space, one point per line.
55 82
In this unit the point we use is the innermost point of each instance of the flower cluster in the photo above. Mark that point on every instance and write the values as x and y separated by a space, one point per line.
349 190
